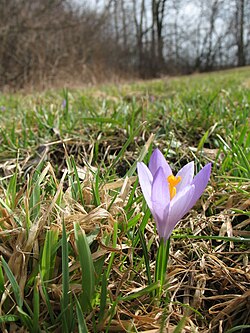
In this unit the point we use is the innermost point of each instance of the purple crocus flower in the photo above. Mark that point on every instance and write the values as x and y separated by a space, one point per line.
64 103
170 197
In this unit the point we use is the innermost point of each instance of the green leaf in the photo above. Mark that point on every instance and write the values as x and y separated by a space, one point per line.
2 282
8 318
161 263
238 328
203 140
48 303
103 297
87 267
65 281
49 255
137 294
146 256
12 189
82 327
142 226
95 187
115 237
36 307
13 282
78 184
26 319
180 326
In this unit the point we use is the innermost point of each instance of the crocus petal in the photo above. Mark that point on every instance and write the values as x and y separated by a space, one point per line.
200 182
145 179
160 198
178 208
160 189
160 215
157 160
187 175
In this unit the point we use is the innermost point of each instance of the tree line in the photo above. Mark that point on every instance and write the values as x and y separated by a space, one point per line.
48 42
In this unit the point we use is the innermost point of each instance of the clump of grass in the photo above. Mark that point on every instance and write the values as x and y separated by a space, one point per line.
78 243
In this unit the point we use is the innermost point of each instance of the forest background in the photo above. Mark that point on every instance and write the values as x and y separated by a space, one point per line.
59 42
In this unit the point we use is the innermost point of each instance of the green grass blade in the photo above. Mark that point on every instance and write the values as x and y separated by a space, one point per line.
14 284
103 297
2 282
10 212
142 226
48 304
8 318
146 256
65 281
238 328
87 267
203 140
147 290
12 190
180 325
26 319
115 237
34 202
101 120
82 327
49 254
36 307
134 221
124 147
131 196
95 188
147 147
78 184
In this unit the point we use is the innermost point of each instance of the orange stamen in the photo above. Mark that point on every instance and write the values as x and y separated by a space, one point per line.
173 181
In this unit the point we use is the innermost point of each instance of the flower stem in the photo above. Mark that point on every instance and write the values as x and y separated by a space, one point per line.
162 263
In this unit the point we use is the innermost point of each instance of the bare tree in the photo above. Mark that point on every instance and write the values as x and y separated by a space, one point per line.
140 31
158 14
124 24
240 9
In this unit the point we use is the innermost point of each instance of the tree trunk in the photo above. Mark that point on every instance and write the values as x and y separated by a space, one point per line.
240 32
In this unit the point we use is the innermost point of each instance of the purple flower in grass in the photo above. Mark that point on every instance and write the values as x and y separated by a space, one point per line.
170 197
64 103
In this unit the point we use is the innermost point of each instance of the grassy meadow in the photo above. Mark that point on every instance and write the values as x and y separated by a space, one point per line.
78 243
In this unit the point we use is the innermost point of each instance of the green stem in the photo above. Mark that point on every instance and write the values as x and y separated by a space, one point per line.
162 263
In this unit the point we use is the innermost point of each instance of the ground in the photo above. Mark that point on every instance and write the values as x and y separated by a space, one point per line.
78 242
